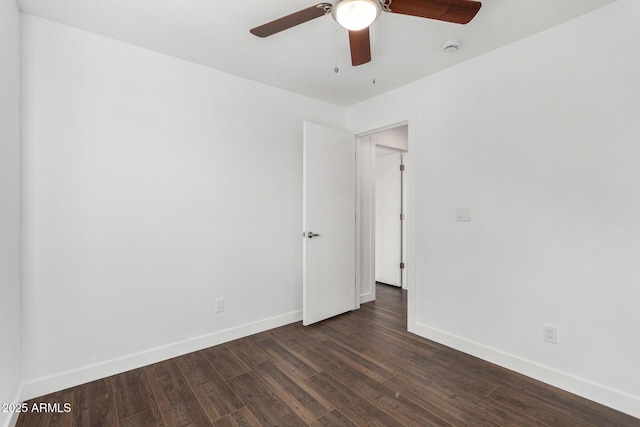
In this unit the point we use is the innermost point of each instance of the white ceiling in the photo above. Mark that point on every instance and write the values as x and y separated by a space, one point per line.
216 34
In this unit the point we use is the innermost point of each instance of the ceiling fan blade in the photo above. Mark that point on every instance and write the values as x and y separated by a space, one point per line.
360 47
456 11
292 20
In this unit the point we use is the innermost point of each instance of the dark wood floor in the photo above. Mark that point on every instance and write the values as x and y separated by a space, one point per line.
358 369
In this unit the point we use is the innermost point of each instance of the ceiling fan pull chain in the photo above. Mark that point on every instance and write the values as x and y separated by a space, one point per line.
373 47
336 69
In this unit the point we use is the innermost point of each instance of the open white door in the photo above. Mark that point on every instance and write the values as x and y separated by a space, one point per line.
388 220
329 201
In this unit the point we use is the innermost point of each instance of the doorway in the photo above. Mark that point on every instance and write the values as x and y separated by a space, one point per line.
382 194
399 137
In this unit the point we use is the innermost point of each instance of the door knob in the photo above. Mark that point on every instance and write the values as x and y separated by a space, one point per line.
311 234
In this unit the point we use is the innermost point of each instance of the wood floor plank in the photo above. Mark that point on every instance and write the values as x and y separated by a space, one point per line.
536 409
289 359
333 419
428 369
474 367
382 335
358 409
386 319
177 403
94 404
150 418
263 403
352 339
132 393
340 326
391 298
296 336
215 396
459 407
391 338
436 375
248 352
225 362
388 400
241 418
298 396
356 342
360 361
592 411
432 402
37 418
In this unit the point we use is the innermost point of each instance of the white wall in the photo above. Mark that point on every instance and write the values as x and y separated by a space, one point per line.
10 374
540 139
152 187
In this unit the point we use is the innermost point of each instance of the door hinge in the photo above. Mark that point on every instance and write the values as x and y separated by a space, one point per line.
401 168
401 217
402 266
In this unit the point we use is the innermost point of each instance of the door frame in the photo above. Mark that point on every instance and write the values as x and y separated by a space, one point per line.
365 214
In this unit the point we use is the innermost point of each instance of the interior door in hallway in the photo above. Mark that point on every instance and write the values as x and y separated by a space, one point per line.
389 214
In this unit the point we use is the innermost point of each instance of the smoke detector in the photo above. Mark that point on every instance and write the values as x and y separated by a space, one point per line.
451 46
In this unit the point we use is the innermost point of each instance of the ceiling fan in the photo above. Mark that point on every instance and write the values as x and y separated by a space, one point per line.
357 15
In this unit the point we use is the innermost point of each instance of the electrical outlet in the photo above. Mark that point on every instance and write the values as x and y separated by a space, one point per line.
463 214
551 334
219 305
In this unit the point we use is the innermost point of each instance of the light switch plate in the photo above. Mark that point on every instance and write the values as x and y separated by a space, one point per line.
463 214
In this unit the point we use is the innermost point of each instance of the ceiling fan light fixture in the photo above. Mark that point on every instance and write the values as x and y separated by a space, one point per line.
355 15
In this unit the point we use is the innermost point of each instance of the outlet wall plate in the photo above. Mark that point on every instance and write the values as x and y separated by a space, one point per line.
551 334
463 214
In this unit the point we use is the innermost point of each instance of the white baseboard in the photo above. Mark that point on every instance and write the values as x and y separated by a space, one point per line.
602 394
13 417
364 298
107 368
